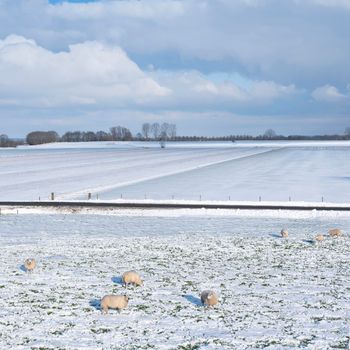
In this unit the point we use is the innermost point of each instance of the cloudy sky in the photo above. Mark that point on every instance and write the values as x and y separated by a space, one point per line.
213 67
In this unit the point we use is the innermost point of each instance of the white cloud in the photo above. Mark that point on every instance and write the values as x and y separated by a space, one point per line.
265 39
328 93
89 73
94 74
130 9
333 3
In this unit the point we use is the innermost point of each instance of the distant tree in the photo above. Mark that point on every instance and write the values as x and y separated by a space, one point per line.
269 134
4 140
146 128
164 131
172 131
347 131
120 133
139 136
40 137
102 136
155 129
89 136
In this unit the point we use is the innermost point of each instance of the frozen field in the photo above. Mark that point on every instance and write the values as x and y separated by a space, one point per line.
274 293
274 171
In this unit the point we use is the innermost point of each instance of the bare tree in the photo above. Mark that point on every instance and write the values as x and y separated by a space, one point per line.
102 136
4 140
120 133
172 131
89 136
269 134
164 131
155 129
146 128
40 137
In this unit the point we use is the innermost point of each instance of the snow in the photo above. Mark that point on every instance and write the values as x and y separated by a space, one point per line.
273 171
274 293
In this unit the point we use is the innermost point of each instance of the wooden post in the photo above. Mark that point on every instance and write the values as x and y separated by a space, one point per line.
52 196
89 196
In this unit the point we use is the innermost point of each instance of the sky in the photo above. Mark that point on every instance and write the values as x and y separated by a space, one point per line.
212 67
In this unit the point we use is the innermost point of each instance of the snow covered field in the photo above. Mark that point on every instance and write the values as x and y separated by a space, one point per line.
274 171
274 293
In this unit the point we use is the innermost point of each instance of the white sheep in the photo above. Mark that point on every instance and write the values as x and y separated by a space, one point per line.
132 277
284 233
114 302
319 238
335 232
30 264
209 298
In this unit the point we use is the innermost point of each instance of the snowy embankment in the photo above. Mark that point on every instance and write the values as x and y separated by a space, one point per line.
274 293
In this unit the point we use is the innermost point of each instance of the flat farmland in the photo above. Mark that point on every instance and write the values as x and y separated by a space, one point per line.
223 171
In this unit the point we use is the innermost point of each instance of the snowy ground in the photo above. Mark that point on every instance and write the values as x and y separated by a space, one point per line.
274 293
274 171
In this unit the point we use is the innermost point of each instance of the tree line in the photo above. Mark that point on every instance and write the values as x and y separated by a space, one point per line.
150 132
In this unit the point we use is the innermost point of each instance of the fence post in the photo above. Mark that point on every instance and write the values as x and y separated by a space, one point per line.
89 195
52 196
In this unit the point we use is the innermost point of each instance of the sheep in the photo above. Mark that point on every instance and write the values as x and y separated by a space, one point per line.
335 232
284 233
319 238
114 302
132 277
209 298
30 264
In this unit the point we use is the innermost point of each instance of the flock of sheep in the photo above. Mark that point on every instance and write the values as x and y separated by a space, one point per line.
335 232
208 297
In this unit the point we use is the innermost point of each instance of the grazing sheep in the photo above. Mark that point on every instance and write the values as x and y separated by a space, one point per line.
319 238
209 298
114 302
284 233
335 232
30 264
132 277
